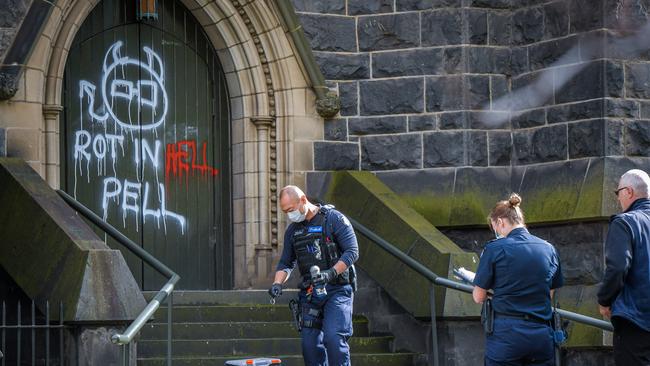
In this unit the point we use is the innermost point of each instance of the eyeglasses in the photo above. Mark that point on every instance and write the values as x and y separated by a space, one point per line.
618 190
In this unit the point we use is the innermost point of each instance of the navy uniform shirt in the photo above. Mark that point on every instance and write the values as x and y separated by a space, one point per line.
521 269
338 228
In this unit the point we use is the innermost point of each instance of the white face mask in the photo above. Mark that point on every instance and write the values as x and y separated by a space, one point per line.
297 216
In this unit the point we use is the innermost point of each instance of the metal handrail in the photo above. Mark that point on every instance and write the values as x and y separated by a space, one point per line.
165 292
145 315
441 281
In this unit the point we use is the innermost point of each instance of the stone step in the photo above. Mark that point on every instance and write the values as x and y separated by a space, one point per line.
228 313
211 327
230 330
225 313
260 346
358 359
226 297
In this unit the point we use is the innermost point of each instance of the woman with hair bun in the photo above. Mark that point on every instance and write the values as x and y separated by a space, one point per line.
522 270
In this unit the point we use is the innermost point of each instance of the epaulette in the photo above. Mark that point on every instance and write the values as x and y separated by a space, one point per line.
325 208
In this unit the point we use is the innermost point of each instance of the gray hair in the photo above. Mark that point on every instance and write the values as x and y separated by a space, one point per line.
638 180
292 191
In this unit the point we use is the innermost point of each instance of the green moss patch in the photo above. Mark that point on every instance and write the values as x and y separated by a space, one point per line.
361 196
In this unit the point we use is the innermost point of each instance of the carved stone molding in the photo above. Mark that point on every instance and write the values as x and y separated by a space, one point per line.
272 142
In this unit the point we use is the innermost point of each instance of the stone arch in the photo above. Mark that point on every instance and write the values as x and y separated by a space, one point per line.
272 108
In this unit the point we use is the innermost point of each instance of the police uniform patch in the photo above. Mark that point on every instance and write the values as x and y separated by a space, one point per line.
315 229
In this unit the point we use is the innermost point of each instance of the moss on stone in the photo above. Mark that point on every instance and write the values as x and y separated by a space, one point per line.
554 192
435 208
582 300
361 196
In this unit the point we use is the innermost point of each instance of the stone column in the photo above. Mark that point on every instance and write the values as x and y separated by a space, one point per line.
52 160
263 248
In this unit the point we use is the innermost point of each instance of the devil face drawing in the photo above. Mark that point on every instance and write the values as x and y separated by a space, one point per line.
130 90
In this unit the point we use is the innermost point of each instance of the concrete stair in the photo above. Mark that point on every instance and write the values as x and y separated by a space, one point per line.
211 327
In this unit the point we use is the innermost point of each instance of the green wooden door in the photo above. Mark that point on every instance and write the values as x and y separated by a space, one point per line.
145 139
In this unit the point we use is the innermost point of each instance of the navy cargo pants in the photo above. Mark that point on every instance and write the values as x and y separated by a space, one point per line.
325 342
517 342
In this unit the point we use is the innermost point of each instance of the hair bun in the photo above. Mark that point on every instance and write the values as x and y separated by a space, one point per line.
514 200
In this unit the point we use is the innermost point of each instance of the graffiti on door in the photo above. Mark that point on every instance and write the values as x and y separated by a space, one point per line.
122 133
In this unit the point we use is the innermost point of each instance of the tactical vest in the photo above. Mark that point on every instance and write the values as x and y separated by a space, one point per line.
313 247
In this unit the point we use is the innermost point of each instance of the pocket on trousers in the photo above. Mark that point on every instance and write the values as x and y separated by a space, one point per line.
518 339
499 345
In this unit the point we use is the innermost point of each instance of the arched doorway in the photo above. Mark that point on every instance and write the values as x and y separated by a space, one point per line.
145 137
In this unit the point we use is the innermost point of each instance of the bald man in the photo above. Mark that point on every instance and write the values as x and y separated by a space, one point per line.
319 236
624 295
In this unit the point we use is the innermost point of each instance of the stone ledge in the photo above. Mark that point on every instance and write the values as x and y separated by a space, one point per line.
91 280
361 196
575 190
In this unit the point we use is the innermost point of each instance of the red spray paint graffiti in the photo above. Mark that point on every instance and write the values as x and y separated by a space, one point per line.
181 159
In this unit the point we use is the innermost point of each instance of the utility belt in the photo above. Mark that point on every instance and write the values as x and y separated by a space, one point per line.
559 333
488 315
526 317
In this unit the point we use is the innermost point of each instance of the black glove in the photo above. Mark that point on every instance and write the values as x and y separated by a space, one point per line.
275 290
327 276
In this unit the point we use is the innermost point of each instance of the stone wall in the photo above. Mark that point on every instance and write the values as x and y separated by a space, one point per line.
455 103
21 116
422 86
12 13
420 82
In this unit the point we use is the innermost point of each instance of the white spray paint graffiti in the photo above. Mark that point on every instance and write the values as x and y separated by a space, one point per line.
145 91
119 95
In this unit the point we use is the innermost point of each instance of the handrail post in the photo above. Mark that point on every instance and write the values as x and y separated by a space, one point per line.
557 325
170 301
165 292
434 327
